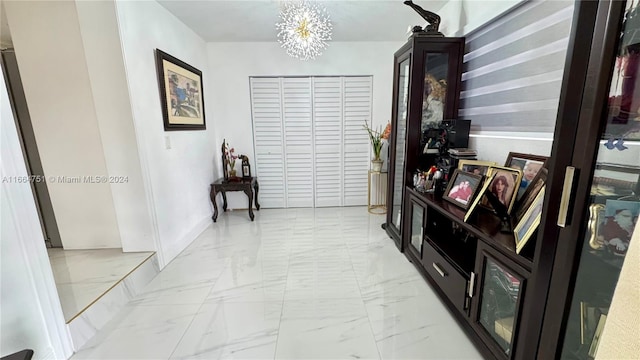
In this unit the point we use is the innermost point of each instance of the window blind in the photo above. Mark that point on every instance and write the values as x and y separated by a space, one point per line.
513 68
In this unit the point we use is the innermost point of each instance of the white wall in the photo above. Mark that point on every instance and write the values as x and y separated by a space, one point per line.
101 40
460 17
31 313
231 65
57 88
176 179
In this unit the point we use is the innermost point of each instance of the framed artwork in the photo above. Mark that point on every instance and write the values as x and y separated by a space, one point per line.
529 222
619 223
529 164
504 186
523 203
475 166
462 187
475 202
180 93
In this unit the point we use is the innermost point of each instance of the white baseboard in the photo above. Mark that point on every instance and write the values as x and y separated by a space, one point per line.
176 248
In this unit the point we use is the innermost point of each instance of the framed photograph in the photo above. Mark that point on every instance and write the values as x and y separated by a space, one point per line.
504 186
529 164
523 203
462 187
475 202
529 222
475 166
620 220
180 93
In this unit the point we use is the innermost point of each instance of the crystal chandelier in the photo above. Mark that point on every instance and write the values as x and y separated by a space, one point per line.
304 29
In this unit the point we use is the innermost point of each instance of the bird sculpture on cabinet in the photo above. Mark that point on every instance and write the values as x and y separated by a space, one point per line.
432 18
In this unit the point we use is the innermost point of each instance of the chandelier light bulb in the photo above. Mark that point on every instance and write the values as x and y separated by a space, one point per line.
304 28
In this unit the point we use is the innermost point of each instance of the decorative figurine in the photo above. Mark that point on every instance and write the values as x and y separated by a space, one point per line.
225 172
432 18
246 168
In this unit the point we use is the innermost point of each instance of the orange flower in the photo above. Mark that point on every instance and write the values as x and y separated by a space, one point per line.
387 132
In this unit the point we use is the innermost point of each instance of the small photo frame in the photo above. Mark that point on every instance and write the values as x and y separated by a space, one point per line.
476 167
529 164
504 186
180 93
529 222
473 206
462 187
523 203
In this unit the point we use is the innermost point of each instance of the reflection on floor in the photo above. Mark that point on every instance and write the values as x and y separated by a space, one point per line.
294 284
82 276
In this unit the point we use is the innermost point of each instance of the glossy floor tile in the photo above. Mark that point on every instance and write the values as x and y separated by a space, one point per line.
82 276
293 284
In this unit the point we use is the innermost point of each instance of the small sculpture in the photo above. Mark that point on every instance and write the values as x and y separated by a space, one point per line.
432 18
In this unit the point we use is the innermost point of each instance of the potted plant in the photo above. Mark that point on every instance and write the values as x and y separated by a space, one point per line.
376 137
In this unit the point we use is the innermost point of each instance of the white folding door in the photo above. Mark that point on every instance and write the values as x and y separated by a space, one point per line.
311 149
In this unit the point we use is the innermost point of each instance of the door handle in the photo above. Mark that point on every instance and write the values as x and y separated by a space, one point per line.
567 189
439 270
472 284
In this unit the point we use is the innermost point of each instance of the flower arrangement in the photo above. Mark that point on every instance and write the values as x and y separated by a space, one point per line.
376 136
230 158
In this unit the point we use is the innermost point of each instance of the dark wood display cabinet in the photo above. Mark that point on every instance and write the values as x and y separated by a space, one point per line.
551 299
427 73
472 265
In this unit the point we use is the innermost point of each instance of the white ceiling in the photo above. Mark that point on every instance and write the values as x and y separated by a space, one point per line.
254 20
244 20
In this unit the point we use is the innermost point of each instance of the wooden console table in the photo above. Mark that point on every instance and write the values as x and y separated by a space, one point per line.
249 186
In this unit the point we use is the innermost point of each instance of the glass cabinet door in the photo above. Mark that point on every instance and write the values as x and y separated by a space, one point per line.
497 307
436 72
613 205
400 142
417 217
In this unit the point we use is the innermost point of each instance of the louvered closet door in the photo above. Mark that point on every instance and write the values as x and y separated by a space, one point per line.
356 109
298 141
327 134
268 139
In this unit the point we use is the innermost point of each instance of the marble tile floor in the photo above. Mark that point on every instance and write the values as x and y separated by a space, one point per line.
294 284
82 276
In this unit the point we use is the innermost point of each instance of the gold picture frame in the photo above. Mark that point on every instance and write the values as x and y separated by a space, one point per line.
529 222
593 349
476 201
596 216
512 178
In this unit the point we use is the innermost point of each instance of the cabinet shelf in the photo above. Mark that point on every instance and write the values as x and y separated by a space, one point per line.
485 227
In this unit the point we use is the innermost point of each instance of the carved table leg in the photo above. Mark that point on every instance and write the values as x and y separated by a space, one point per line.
224 200
256 188
250 196
215 204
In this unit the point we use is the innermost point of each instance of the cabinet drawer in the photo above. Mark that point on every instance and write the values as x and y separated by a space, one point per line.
449 280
